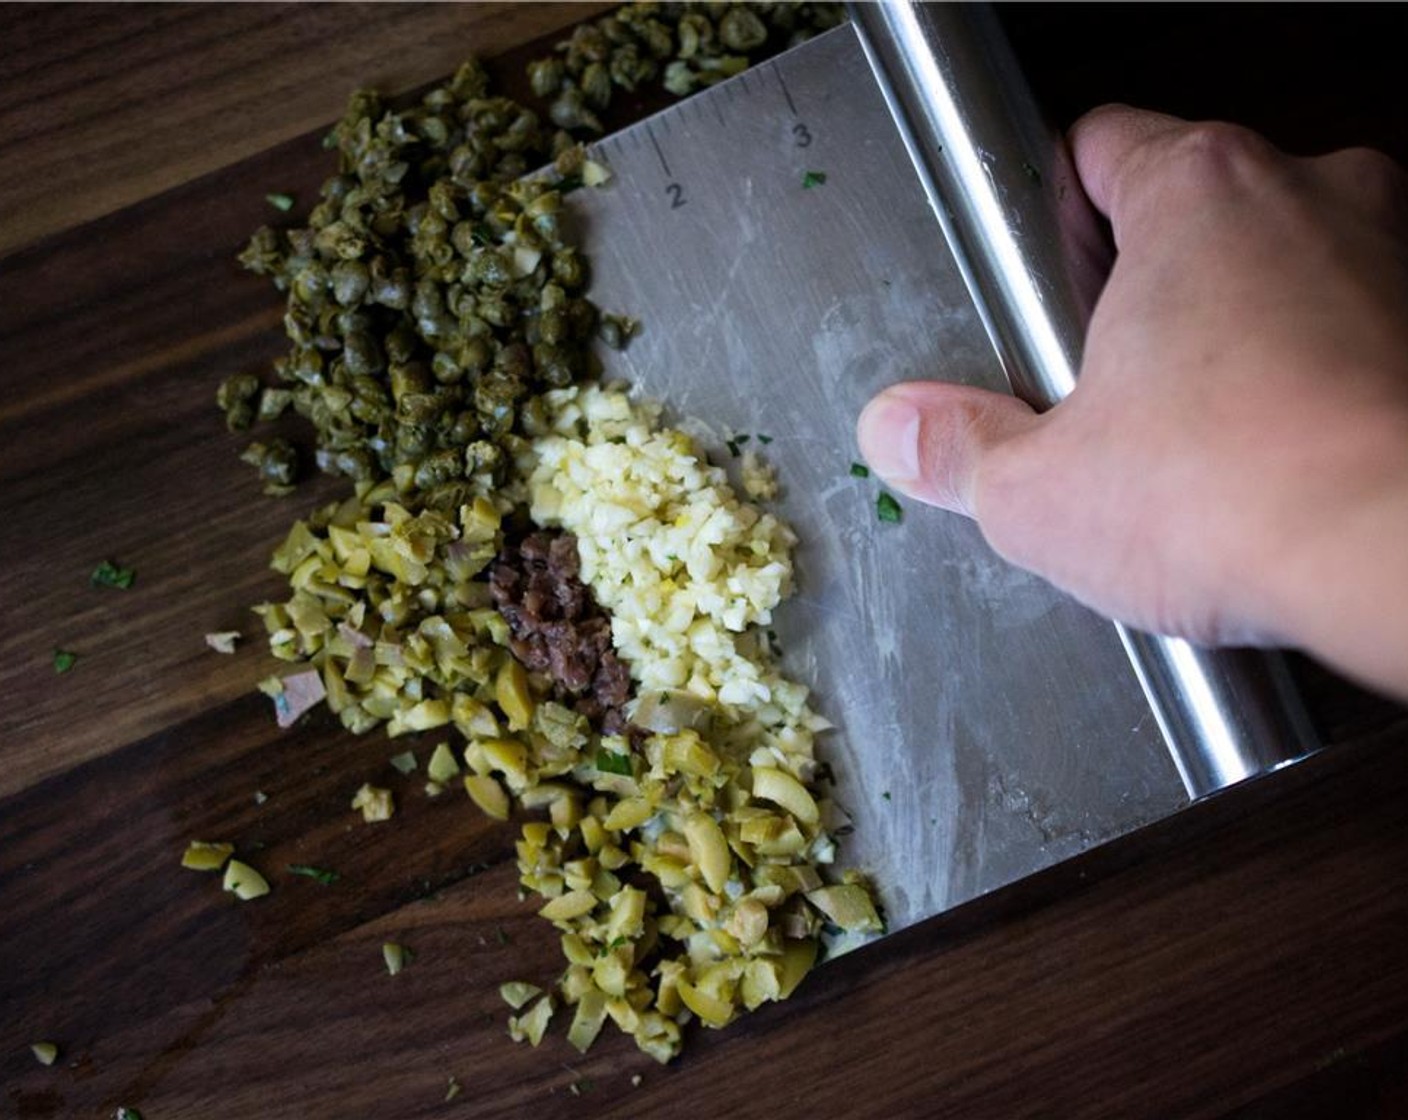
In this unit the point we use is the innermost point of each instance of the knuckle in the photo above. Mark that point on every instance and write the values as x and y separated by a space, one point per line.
1215 153
1376 178
1195 162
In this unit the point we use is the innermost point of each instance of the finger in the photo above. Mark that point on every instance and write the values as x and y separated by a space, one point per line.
1145 171
1107 141
927 438
1373 181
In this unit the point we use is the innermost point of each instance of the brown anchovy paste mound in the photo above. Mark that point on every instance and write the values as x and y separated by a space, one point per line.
558 629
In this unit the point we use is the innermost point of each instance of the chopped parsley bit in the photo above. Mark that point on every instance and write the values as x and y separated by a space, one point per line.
500 936
569 183
327 878
124 1113
887 509
609 762
279 201
64 660
108 574
453 1090
732 446
860 470
886 795
744 438
813 179
764 439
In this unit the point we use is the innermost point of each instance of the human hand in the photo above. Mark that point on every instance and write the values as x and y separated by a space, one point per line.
1232 466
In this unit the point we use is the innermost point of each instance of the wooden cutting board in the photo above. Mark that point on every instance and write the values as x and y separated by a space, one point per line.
138 143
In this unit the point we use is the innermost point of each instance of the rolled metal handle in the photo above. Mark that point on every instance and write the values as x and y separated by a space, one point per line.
1034 257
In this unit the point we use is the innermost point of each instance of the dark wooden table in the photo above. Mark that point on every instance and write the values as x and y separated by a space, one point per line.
1247 958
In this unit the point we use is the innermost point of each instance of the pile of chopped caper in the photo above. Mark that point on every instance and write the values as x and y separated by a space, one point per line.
433 293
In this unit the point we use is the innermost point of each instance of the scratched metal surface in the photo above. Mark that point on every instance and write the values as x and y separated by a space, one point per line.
987 727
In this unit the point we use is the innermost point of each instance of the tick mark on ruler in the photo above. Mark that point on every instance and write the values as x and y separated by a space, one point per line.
777 70
659 154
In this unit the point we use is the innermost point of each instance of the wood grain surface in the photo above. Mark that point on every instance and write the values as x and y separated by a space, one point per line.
1247 958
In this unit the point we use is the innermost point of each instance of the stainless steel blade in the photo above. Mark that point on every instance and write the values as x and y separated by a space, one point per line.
987 726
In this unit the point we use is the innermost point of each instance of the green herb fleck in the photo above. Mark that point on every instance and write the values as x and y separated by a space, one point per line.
813 179
500 936
404 762
609 762
124 1113
278 201
886 795
732 446
327 878
64 660
741 440
569 183
108 574
764 439
860 470
452 1090
887 509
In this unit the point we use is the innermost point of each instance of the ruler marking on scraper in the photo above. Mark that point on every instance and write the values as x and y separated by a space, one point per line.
659 153
786 93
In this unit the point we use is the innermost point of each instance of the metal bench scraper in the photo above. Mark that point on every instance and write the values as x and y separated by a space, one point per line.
878 204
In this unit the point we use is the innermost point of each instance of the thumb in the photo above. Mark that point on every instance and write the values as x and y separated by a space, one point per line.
927 438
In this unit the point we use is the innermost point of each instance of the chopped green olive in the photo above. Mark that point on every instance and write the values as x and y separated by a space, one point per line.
244 882
203 856
395 956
